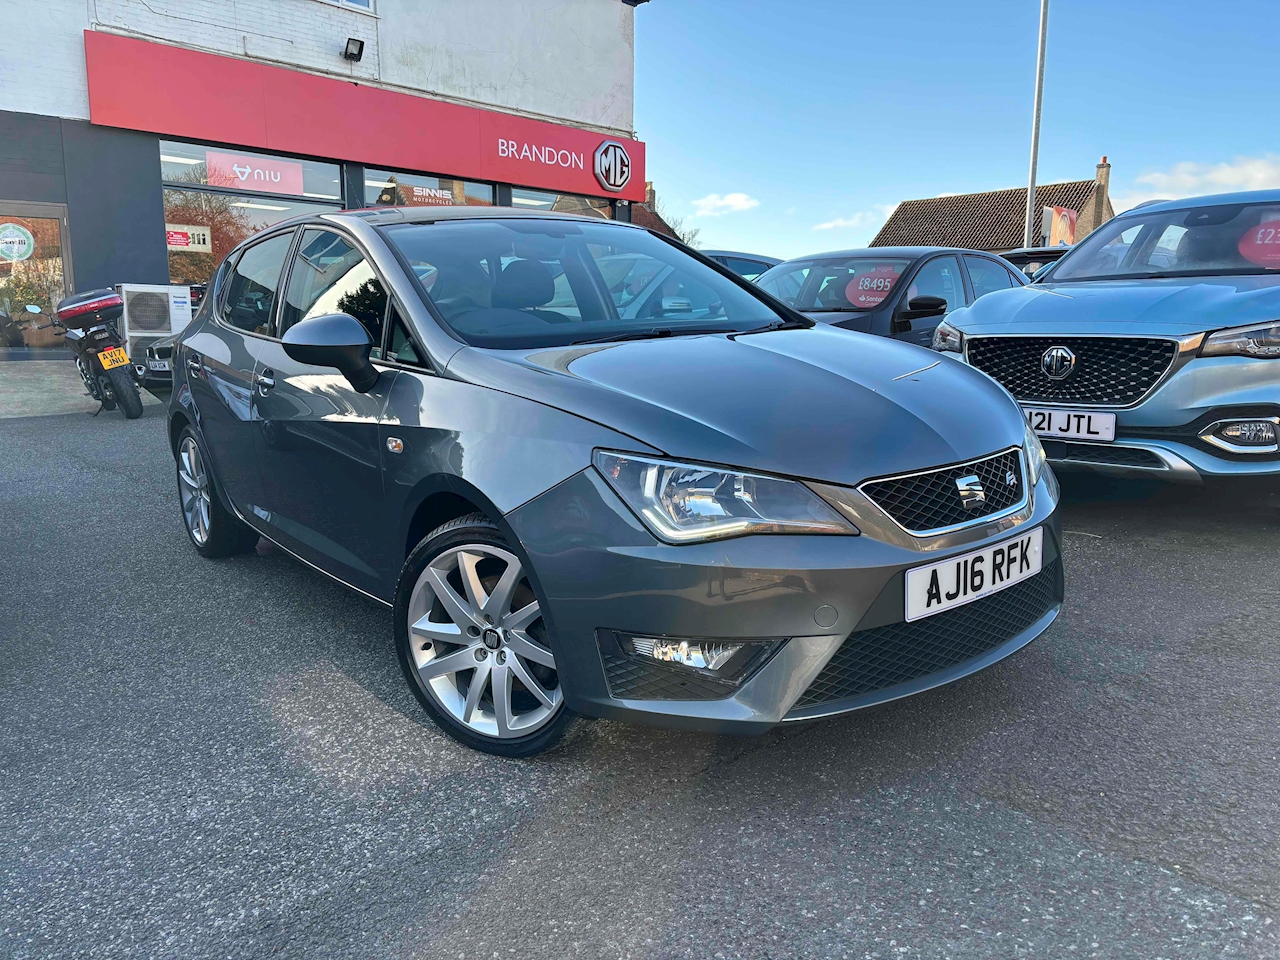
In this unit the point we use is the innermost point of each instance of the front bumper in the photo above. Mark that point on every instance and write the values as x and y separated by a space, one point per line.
599 570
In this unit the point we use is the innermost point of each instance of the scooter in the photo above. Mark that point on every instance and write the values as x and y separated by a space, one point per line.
88 321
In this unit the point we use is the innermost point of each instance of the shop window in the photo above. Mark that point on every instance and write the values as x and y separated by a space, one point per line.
251 287
561 203
330 275
384 188
194 164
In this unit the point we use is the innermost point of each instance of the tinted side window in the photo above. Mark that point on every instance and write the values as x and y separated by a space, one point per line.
251 285
401 347
747 269
987 275
940 277
331 276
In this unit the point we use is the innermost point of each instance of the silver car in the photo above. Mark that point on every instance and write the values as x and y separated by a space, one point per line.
593 472
1152 349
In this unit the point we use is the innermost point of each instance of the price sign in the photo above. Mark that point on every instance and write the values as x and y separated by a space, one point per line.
1261 244
870 289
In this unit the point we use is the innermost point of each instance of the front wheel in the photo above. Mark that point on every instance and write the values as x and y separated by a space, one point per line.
473 643
125 389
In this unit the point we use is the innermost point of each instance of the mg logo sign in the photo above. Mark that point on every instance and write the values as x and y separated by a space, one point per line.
612 166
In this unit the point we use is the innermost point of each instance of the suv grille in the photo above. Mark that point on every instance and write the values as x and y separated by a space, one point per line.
1111 371
924 502
883 657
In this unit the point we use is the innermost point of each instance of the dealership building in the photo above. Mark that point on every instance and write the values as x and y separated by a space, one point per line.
139 142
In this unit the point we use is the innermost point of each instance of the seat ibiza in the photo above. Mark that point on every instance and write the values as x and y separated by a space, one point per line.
594 472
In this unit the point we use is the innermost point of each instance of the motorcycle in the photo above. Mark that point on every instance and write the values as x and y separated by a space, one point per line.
10 330
88 321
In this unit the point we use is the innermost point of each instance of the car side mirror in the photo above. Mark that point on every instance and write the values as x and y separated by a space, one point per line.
334 340
923 306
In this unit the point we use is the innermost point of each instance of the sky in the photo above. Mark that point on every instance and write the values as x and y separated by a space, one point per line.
792 127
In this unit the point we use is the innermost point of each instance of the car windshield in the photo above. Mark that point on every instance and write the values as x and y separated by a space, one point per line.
1232 239
526 282
829 285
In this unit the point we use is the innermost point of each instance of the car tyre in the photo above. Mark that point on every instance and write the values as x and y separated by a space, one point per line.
211 528
473 644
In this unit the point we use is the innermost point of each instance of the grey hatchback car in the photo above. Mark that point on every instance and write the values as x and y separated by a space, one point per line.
594 472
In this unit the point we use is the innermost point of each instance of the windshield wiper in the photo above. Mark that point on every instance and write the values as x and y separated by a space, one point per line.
799 323
657 333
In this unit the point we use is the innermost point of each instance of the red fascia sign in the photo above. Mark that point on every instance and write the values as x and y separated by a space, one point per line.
186 94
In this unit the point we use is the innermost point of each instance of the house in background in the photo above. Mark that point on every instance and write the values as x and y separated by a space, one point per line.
995 221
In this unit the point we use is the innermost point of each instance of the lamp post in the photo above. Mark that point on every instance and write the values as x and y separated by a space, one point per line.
1028 237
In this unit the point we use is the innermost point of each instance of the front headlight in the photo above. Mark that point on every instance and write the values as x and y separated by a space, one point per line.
948 339
1036 458
684 502
1261 341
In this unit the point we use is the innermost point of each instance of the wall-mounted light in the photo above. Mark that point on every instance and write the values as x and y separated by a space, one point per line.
354 50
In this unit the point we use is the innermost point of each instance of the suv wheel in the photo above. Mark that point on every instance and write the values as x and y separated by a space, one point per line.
473 643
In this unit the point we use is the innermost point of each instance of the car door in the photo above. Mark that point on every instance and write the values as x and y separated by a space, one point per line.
317 436
219 363
937 277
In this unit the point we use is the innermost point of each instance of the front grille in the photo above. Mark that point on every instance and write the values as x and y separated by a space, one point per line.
1109 371
884 657
923 502
1093 453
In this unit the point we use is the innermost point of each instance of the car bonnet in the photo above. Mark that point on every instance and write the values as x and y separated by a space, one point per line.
821 404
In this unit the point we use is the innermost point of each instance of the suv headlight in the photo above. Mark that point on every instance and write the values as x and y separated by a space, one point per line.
1036 458
686 503
947 338
1260 340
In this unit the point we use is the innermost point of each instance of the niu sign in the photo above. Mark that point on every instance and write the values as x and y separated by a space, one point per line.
612 166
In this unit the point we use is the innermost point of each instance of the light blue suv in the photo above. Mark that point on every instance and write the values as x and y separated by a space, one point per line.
1152 349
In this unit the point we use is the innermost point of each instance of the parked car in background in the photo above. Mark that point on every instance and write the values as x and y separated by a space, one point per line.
899 292
1030 260
1152 348
746 265
155 367
721 520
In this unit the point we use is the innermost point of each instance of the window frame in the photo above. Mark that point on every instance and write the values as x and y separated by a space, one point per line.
962 272
993 262
219 315
392 298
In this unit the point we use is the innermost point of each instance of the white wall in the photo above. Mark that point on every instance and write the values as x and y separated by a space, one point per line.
569 60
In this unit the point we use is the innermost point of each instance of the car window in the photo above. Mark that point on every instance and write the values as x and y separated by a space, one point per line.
940 277
525 282
330 275
251 286
747 269
784 281
836 284
400 346
987 275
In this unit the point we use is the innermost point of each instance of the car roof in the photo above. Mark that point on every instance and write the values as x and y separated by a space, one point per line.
910 252
1213 200
738 253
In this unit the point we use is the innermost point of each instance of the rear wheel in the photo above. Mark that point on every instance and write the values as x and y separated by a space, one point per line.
473 643
125 388
213 531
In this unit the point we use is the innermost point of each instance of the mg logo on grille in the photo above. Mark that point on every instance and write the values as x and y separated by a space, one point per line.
612 165
971 493
1058 363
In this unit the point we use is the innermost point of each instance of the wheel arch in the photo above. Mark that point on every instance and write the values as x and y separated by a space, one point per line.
438 499
177 423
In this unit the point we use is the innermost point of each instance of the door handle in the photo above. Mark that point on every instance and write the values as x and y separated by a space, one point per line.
264 382
193 363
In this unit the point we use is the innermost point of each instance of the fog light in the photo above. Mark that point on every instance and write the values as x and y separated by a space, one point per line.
1249 433
729 660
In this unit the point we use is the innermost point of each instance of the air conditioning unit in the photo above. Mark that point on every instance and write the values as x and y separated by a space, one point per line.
152 312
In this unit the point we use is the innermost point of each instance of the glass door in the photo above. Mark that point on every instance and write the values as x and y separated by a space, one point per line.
35 267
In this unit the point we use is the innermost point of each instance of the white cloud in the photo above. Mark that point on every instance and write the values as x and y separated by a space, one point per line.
714 205
877 215
1188 179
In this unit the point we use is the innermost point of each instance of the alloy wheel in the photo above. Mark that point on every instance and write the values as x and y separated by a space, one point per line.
193 485
479 644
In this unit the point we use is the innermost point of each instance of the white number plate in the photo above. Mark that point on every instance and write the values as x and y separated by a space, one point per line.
972 576
1072 424
158 364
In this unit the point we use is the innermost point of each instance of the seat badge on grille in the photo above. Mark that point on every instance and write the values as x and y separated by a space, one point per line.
1011 479
1058 363
971 493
